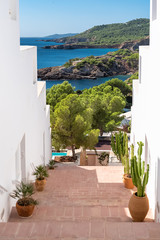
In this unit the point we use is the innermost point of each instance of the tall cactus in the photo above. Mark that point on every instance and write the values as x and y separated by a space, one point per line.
118 145
140 144
132 151
139 175
113 144
126 157
120 148
124 143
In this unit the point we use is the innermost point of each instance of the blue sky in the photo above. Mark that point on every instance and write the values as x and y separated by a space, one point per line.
45 17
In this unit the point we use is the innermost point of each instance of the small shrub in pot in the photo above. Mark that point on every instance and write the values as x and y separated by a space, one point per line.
25 203
41 175
51 164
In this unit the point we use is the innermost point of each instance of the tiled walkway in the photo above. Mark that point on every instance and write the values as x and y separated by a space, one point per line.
82 203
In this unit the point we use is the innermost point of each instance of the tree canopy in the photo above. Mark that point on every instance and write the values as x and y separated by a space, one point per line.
113 83
77 119
59 92
72 124
106 106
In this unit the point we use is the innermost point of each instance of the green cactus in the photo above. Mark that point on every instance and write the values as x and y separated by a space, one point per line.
140 144
127 156
132 151
126 160
113 143
124 143
139 175
132 157
120 148
118 145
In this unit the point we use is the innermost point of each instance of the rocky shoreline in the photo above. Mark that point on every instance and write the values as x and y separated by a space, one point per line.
61 73
131 45
79 46
111 64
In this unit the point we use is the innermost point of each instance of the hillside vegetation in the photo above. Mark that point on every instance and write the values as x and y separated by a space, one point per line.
121 62
123 55
116 33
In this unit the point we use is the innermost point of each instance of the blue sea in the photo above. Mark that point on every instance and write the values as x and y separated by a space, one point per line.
85 83
57 57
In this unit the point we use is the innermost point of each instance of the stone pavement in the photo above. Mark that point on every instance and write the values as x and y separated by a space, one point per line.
82 203
81 230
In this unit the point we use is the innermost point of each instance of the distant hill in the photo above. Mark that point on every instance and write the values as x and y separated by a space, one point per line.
57 36
111 34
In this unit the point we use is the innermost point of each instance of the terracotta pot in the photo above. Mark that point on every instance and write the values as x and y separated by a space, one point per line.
128 182
25 211
138 207
51 168
40 184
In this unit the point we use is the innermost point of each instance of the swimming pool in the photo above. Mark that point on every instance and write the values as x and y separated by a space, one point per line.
59 154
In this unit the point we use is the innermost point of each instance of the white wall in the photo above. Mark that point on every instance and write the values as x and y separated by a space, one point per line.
146 102
24 114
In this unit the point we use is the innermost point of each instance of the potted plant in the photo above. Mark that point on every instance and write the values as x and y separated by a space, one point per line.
41 175
139 203
118 145
51 164
25 203
120 148
127 178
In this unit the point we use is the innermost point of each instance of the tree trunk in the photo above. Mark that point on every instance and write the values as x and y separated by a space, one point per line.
101 132
73 152
95 150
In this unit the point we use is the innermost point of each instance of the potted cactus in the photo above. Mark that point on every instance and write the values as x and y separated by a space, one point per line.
127 178
120 149
25 203
139 204
41 175
118 145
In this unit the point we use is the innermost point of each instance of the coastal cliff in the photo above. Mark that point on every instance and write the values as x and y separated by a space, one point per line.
131 45
121 62
79 46
134 45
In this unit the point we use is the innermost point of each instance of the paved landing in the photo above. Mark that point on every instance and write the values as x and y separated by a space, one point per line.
82 203
82 193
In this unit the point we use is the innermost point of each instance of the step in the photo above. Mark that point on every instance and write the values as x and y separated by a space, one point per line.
50 213
89 229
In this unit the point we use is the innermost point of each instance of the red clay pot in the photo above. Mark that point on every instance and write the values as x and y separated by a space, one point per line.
128 182
25 211
138 207
40 184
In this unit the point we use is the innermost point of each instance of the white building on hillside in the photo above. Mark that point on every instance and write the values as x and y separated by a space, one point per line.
24 116
146 107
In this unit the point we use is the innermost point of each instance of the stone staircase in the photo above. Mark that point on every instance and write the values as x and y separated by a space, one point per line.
81 203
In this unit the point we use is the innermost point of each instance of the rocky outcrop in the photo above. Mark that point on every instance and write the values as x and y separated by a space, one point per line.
79 46
57 73
134 45
131 45
91 68
66 40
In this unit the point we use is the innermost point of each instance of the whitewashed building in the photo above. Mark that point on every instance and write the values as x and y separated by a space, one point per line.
24 116
146 107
